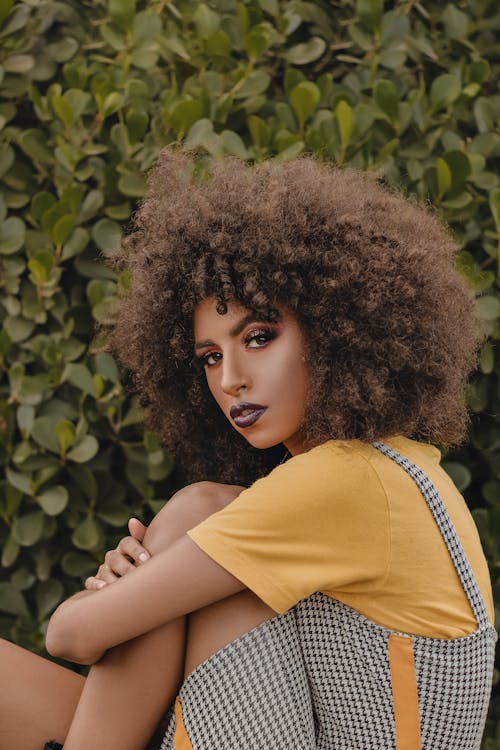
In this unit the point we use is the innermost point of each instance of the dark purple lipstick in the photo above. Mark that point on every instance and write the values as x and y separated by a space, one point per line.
245 414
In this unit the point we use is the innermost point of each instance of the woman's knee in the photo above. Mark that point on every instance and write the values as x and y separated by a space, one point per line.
188 507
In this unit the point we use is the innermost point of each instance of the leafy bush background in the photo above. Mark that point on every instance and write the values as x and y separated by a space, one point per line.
90 92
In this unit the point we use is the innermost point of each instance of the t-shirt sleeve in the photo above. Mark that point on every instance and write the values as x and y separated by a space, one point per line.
317 523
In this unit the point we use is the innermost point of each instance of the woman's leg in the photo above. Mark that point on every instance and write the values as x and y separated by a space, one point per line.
211 628
129 690
37 699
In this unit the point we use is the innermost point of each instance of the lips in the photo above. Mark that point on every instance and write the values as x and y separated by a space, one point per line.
246 414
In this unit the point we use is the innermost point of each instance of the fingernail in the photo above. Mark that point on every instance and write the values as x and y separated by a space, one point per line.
143 556
100 584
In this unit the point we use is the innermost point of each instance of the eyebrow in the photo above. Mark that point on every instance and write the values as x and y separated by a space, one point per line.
235 331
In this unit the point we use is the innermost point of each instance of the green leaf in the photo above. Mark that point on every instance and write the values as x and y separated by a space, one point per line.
255 83
443 175
85 480
218 44
40 203
76 243
18 64
494 201
107 235
132 184
487 359
106 365
28 529
489 307
137 124
54 500
233 144
12 233
20 481
112 103
147 26
206 20
119 136
305 52
48 595
370 12
62 109
445 89
34 144
291 152
19 329
87 534
78 101
455 22
7 158
386 96
343 113
5 7
183 115
122 12
62 229
65 434
25 419
77 564
84 450
114 513
63 50
92 203
12 600
459 473
259 130
479 71
43 433
304 99
256 42
10 552
79 376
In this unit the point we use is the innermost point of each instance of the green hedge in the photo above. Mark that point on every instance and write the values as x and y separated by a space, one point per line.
90 91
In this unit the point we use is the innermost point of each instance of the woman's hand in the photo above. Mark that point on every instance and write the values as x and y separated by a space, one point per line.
126 557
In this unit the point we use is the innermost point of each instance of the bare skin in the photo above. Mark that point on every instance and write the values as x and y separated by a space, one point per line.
148 630
82 713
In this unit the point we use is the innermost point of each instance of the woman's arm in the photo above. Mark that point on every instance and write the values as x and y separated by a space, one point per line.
175 582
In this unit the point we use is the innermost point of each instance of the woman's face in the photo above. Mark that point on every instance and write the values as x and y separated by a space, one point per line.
256 371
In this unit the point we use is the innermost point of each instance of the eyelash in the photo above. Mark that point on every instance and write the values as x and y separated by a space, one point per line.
268 334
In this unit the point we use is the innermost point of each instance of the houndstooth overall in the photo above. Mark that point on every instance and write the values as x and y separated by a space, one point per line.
323 677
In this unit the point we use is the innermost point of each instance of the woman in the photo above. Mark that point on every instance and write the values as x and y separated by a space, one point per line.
324 605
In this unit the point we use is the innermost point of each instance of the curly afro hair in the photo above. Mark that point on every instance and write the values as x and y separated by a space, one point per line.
391 329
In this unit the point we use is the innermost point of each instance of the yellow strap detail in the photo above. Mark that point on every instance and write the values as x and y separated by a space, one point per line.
181 737
404 693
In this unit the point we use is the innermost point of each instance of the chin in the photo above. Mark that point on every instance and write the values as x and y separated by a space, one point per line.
261 442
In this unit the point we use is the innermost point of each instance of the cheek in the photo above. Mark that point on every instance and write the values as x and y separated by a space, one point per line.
214 388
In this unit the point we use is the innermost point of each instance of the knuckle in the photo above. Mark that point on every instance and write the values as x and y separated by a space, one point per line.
124 543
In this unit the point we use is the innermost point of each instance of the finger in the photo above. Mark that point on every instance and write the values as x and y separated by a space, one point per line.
131 547
116 564
104 573
94 584
137 529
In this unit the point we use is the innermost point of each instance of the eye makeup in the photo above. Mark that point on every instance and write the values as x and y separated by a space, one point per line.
255 338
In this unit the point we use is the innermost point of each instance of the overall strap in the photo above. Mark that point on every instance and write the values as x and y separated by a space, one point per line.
445 525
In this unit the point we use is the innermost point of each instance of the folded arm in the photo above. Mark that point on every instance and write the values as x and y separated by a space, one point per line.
175 582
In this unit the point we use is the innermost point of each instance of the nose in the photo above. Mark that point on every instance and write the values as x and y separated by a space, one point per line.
234 379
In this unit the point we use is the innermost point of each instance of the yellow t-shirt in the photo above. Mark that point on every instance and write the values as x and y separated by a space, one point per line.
346 520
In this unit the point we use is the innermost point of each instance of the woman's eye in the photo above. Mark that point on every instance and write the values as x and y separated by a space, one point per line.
211 359
256 339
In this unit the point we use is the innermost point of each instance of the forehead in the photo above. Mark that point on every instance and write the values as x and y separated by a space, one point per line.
206 317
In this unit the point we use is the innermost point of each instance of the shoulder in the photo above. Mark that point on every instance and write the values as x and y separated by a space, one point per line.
335 467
